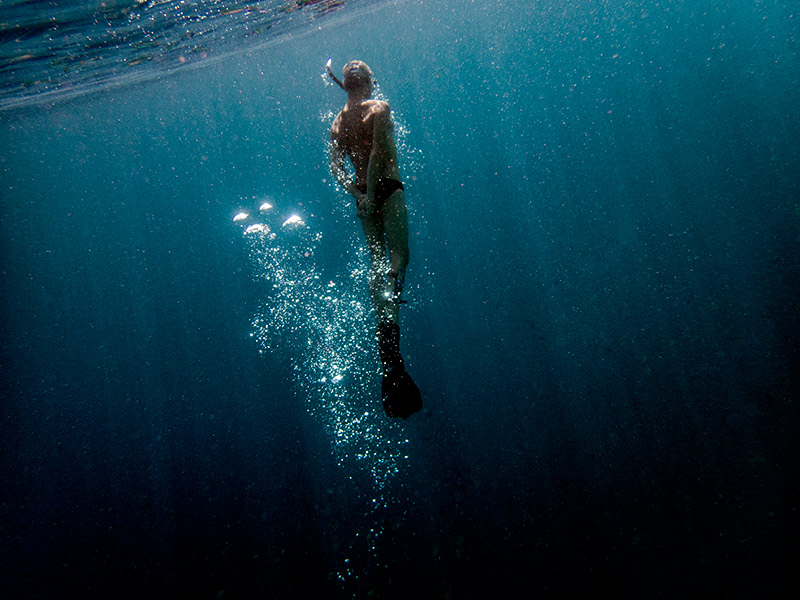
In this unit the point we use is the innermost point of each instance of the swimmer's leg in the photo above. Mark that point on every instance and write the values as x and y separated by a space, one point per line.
373 231
389 228
395 223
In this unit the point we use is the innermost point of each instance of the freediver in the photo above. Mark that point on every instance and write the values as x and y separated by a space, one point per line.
363 132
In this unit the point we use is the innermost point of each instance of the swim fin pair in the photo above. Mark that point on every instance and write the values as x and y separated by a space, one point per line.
401 396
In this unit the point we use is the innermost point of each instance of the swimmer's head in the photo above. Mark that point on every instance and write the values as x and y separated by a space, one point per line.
357 75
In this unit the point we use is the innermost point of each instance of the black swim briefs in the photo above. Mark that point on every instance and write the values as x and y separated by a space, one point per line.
384 188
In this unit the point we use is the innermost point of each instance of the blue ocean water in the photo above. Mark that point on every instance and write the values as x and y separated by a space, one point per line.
604 207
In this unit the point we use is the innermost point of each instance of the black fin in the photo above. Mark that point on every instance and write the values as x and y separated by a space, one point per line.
401 396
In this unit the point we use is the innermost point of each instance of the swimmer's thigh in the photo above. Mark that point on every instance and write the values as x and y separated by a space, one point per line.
395 223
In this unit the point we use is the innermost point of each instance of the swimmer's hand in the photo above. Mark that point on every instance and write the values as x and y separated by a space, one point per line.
365 207
361 198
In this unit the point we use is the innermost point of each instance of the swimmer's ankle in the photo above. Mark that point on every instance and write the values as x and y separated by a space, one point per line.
396 279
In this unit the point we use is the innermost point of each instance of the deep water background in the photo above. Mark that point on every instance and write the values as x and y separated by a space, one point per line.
602 317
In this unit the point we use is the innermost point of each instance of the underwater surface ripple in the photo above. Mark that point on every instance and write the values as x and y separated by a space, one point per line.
62 48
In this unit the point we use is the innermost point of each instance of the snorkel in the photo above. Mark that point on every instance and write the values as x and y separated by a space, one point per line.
332 76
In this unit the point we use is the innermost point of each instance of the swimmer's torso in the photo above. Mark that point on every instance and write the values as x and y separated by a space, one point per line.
354 132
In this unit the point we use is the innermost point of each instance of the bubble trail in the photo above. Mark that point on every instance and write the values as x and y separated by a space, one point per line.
326 328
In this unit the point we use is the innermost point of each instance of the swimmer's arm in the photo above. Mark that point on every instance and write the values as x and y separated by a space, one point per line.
338 170
382 154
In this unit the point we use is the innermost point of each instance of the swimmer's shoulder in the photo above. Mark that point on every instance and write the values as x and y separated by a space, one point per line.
377 107
336 126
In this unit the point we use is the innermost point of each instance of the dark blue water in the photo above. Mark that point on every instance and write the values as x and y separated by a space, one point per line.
603 313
